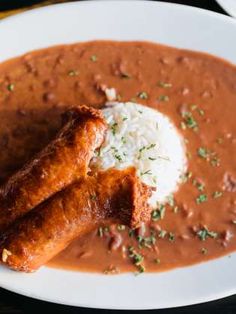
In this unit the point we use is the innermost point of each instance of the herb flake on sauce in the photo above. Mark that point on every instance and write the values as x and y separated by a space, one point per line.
201 198
143 95
204 234
11 87
94 58
158 213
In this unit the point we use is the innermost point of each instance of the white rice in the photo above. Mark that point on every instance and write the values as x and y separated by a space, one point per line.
143 137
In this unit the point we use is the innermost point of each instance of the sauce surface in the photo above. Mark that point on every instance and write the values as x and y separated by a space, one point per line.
197 91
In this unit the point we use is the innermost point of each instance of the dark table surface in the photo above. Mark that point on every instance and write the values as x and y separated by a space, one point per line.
13 303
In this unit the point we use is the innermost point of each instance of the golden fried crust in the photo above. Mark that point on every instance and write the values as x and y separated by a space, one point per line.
63 161
45 231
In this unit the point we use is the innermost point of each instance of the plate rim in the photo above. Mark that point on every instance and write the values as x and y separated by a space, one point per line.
88 3
226 8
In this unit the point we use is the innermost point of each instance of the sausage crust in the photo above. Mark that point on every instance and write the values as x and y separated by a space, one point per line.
46 230
63 161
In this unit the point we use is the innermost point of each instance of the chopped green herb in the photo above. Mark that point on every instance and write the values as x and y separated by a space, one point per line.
204 233
118 157
201 198
151 146
131 233
143 95
164 98
93 197
158 213
203 153
189 121
146 241
94 58
201 112
123 140
162 234
140 111
73 73
193 107
157 261
142 149
141 269
215 161
121 227
217 194
171 237
152 159
11 87
124 118
200 186
164 84
114 127
148 172
136 258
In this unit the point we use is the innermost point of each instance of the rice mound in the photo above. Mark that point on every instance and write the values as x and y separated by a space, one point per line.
146 139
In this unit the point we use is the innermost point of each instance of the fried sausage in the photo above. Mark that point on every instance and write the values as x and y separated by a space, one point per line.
63 161
45 231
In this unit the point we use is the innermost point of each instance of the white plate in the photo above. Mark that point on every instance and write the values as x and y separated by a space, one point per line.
169 24
229 6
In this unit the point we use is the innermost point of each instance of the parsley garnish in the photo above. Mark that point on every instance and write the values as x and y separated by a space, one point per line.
217 194
121 227
113 128
151 146
137 259
93 197
164 98
201 198
204 233
162 234
148 172
158 213
143 95
203 153
152 159
94 58
164 84
189 121
171 237
157 261
11 87
146 242
73 73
